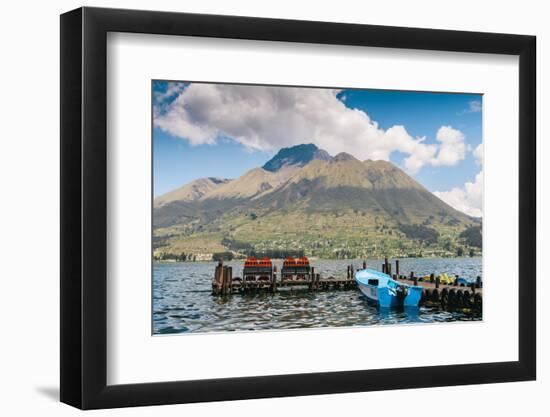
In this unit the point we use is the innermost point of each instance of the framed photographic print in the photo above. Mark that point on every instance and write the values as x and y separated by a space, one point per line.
258 207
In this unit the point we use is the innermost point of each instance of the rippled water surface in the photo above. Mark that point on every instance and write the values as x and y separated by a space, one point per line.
182 299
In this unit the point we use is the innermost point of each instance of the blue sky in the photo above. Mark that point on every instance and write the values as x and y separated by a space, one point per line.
176 162
203 130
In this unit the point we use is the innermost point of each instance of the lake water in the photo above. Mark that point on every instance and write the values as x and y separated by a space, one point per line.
182 299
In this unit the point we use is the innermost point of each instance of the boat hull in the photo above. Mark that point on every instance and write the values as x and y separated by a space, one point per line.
413 297
381 296
382 290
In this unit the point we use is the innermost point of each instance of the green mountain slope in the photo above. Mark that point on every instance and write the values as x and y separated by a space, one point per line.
334 207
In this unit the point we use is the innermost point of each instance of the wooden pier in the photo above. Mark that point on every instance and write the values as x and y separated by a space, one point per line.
448 295
224 283
265 278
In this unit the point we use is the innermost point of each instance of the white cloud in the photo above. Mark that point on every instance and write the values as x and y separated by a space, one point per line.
160 98
467 199
268 118
478 154
172 89
452 148
474 106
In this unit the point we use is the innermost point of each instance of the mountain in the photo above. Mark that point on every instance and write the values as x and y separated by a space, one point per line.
344 156
371 186
298 155
191 191
253 184
331 207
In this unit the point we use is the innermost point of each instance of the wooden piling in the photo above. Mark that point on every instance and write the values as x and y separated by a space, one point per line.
478 301
460 298
223 280
444 297
364 264
432 277
479 284
273 285
397 267
216 282
469 298
311 278
384 268
349 271
229 279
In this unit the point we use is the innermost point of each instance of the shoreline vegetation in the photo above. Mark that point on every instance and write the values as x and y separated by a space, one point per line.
173 261
428 244
161 257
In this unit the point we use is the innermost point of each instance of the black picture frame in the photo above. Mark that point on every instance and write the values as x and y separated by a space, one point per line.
84 207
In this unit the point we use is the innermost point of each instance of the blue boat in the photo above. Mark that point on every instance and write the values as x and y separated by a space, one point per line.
386 292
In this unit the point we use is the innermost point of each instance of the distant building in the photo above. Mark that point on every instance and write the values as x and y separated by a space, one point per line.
203 257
